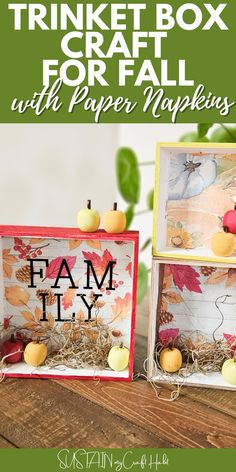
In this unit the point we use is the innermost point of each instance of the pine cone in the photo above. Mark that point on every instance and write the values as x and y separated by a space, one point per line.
206 271
165 317
23 274
50 298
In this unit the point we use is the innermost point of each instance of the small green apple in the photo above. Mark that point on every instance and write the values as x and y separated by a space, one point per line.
118 358
229 371
88 220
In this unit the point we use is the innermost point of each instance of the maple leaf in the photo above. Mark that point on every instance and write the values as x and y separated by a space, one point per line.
167 336
231 340
122 307
68 298
129 269
186 276
55 265
99 262
8 261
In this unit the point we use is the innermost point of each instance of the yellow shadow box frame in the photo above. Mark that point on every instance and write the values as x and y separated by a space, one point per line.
195 184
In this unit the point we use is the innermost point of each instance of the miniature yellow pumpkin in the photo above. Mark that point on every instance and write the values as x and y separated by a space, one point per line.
114 221
223 244
35 353
170 359
118 357
88 219
229 371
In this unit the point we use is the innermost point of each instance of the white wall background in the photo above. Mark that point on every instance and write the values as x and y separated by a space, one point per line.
49 171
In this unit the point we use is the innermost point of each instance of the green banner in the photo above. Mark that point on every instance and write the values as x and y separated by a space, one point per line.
136 460
117 62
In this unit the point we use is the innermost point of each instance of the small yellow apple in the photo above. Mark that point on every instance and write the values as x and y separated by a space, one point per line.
229 371
223 244
35 353
118 357
88 220
114 220
170 359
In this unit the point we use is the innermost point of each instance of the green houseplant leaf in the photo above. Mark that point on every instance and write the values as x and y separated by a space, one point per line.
142 281
146 244
224 134
129 215
150 199
128 175
193 137
203 129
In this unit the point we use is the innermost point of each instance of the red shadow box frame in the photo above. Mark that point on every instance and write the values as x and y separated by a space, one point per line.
61 233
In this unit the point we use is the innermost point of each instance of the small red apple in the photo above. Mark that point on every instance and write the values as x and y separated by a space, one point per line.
229 220
15 347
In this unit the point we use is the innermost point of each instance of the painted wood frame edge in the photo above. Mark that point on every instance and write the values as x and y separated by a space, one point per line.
63 233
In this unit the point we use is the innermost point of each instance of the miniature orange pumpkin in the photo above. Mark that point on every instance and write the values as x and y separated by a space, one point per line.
35 353
170 359
114 220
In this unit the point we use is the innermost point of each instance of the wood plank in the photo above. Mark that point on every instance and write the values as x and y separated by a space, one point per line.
39 413
5 444
185 423
220 400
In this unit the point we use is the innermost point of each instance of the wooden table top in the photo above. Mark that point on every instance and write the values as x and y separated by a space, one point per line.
73 413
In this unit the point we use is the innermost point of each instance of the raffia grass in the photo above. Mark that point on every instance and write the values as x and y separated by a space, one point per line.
200 355
90 350
76 345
